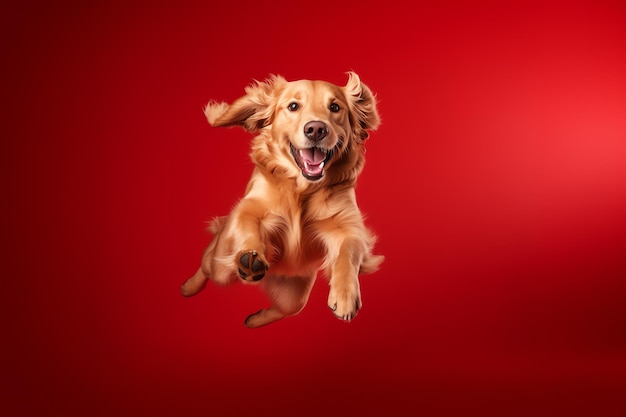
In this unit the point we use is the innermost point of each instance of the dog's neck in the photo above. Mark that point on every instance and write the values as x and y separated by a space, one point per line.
278 170
341 176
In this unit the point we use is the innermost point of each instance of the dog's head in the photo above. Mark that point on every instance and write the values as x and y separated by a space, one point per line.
307 128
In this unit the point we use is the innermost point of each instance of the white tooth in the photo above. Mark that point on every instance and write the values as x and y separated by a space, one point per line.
322 164
306 165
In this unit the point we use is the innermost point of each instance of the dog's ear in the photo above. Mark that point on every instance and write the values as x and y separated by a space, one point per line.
363 106
252 111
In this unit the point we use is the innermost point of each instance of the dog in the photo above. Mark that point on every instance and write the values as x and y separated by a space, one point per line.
299 214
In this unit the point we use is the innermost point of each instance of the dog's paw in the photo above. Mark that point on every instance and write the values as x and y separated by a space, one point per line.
251 265
345 302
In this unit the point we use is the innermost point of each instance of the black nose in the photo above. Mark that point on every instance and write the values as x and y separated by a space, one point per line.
315 130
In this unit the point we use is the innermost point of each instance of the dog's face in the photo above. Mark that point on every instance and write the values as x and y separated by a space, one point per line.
312 120
306 126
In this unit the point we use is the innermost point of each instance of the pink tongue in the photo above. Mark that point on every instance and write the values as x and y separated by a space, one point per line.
313 156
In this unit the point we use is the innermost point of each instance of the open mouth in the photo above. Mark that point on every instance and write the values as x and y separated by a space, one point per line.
311 161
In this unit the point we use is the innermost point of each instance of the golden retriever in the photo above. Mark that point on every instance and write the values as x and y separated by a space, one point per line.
299 214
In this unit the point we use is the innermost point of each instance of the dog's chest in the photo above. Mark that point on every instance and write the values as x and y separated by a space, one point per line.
293 233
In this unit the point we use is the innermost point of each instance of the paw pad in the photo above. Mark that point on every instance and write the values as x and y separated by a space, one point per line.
251 266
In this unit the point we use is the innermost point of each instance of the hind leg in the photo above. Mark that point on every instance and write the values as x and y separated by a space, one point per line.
213 265
289 295
195 284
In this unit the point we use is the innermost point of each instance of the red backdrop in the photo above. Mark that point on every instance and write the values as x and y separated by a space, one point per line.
496 184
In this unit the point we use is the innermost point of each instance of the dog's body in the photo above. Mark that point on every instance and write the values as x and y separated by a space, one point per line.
299 214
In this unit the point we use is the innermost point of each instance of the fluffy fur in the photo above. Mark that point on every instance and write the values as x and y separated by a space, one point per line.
299 213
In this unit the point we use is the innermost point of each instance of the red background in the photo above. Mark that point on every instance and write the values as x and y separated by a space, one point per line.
496 184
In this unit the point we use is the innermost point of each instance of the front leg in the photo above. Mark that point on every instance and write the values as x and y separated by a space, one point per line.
252 265
344 297
249 236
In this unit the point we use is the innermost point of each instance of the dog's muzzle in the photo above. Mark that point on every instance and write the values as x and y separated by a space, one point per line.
311 161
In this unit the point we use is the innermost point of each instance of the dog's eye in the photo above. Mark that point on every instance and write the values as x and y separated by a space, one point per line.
334 107
293 106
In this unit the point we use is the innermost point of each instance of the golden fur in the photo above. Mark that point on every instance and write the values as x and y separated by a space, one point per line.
299 214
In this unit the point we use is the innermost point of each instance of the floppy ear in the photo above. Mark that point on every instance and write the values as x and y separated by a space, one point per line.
252 111
363 106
